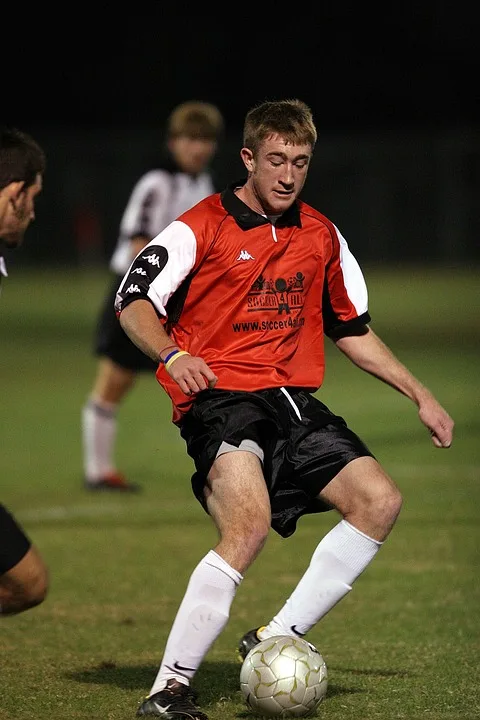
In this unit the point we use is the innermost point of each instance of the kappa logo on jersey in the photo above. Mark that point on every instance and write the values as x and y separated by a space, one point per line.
245 255
153 259
144 270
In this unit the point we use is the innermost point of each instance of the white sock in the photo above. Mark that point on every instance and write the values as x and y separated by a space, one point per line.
99 429
201 617
338 560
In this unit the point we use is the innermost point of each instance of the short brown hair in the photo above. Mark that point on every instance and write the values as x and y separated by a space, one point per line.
292 119
21 157
196 120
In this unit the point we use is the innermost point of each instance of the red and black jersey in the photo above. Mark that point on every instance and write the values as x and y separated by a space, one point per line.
250 297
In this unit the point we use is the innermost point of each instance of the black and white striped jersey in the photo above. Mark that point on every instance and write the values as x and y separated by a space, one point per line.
158 198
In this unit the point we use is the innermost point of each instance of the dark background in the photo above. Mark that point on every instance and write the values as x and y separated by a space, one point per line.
394 92
406 65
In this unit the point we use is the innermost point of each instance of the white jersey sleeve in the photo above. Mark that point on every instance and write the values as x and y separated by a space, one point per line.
353 277
159 268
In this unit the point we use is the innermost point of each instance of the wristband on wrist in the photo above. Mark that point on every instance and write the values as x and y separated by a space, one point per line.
170 359
167 347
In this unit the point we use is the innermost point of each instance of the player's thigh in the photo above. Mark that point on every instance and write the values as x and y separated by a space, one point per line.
362 483
236 494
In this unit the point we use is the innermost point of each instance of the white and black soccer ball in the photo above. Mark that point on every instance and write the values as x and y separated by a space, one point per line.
284 677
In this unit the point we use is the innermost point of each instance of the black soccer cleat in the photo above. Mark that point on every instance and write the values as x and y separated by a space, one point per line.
175 702
248 642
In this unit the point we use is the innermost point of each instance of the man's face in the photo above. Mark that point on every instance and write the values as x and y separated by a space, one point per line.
277 173
192 155
20 212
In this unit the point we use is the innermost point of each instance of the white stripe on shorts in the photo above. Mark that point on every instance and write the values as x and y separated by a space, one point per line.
290 400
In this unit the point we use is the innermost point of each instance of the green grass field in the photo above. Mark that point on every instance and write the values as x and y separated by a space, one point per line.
405 643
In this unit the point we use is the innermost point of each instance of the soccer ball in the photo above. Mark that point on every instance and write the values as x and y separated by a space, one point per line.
283 676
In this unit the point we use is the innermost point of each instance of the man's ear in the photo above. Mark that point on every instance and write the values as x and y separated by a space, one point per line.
15 189
247 157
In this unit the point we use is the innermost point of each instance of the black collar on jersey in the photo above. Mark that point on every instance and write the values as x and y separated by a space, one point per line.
247 218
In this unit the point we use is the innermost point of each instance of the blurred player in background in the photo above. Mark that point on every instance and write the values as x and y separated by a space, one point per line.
23 573
193 132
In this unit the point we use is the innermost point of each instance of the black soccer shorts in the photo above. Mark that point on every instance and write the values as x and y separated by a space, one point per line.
14 544
304 445
112 341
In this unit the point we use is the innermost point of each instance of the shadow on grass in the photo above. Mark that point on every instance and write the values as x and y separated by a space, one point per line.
215 681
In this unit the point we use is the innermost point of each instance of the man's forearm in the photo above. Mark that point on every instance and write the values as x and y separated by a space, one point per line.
371 354
140 322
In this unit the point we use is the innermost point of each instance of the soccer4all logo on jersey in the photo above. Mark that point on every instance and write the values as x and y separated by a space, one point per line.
282 297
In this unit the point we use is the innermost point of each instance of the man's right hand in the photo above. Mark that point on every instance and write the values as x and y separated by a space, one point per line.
192 374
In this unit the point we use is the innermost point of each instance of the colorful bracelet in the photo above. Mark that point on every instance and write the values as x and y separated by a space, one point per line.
167 358
170 359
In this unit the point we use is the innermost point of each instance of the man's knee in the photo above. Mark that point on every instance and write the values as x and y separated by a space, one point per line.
254 535
364 494
248 535
37 589
39 584
238 502
25 585
385 503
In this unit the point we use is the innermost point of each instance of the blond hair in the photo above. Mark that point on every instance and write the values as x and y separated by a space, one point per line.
292 119
196 120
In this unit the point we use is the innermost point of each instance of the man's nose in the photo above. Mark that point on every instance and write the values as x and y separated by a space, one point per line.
287 177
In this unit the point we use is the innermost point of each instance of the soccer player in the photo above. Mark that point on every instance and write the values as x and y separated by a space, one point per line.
233 300
23 574
193 132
